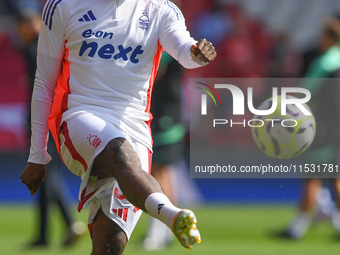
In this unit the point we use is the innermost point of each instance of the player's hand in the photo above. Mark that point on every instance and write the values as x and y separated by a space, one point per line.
204 51
33 176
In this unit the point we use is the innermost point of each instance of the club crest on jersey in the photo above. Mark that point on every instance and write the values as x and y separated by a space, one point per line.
144 22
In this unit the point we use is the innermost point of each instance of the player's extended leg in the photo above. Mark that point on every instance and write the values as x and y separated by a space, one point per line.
158 235
117 182
119 160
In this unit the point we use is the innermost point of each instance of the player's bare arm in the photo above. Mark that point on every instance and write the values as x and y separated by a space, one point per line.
33 176
204 50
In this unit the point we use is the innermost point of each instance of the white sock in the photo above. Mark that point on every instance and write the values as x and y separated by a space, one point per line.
336 219
160 207
300 225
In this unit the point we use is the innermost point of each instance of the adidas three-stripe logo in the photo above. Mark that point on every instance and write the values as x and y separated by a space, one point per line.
160 206
48 12
89 16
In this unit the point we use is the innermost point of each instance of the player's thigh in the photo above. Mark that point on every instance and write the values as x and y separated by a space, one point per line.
119 155
82 138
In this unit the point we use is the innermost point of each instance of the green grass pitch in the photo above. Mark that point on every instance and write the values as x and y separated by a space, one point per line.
227 229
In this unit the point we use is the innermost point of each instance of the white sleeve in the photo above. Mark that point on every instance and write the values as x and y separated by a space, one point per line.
175 38
49 59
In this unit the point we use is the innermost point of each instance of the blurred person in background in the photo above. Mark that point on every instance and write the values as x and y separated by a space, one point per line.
27 13
215 23
285 60
246 50
325 147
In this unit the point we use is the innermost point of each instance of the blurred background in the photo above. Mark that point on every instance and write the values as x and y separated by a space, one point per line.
253 38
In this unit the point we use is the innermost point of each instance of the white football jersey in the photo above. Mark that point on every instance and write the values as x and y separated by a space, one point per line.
102 56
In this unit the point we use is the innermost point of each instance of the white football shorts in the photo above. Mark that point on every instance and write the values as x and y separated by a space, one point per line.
82 137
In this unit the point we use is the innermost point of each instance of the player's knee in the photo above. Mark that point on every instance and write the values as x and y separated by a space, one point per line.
118 150
115 245
115 146
117 155
105 164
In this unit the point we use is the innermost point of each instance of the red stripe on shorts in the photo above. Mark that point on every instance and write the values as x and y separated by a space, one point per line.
85 198
68 143
150 160
90 227
125 214
120 212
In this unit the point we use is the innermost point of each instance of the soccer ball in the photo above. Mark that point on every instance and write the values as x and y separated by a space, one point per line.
285 136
